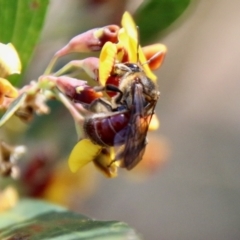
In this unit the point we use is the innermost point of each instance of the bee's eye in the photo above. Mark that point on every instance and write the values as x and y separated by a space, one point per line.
133 67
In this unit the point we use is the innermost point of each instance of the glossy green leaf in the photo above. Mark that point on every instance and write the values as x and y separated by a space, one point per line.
35 220
153 16
21 22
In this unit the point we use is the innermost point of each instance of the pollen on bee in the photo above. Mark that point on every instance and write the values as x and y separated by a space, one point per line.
79 89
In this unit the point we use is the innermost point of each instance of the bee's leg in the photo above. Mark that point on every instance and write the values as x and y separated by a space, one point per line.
148 107
113 88
100 105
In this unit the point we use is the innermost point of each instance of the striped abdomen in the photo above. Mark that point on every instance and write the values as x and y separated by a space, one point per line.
107 130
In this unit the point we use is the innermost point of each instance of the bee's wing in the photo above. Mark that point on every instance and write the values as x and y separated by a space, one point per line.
133 150
136 131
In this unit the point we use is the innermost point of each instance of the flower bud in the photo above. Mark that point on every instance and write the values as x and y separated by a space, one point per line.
77 90
92 40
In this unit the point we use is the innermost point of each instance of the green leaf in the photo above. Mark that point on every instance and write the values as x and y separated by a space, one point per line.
153 16
21 23
35 220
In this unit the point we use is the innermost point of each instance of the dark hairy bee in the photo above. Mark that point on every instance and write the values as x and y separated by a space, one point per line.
126 120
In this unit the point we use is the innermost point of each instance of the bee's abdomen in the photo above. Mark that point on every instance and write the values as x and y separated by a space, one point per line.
107 130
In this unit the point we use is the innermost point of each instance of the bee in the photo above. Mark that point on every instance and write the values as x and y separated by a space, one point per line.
126 120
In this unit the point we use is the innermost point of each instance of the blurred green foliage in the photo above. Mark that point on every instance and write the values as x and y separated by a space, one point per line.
153 16
21 23
33 219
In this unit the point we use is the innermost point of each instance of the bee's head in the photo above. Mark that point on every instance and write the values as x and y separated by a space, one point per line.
133 67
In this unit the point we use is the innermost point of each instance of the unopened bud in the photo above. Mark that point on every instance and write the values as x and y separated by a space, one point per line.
92 40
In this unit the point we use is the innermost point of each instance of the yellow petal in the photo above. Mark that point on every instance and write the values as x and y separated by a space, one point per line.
154 124
9 60
130 36
106 61
7 89
129 39
129 44
129 26
8 198
83 152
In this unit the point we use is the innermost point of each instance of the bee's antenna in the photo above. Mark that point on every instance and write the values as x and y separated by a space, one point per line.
138 43
153 57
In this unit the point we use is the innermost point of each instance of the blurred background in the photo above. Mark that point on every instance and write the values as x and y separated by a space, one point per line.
188 186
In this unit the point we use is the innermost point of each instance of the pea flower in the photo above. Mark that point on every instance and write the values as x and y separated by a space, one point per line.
9 64
125 49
